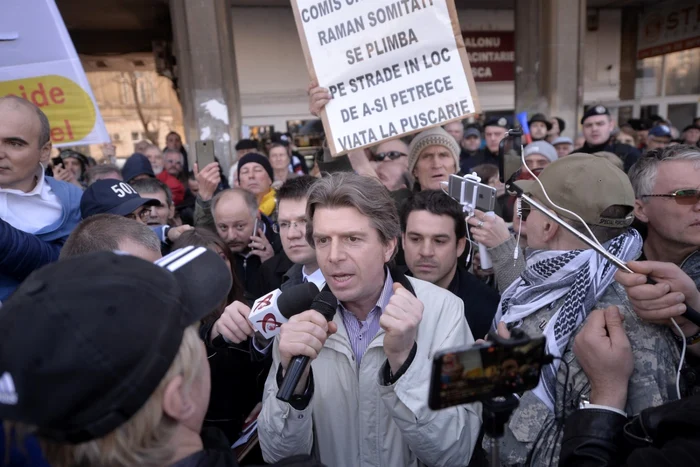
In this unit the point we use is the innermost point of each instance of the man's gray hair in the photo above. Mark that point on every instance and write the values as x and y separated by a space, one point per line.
174 151
95 172
153 185
105 232
367 195
45 127
643 173
249 198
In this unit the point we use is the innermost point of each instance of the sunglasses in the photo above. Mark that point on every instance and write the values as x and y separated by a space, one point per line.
392 155
682 197
525 209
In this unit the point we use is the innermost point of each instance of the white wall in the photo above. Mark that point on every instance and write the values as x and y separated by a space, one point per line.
273 77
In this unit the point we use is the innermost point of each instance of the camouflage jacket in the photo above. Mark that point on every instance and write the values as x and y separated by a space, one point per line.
534 433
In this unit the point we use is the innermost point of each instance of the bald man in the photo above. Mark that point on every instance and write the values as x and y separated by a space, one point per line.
37 213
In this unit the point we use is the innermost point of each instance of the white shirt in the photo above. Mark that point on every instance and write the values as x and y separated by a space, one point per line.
317 278
32 211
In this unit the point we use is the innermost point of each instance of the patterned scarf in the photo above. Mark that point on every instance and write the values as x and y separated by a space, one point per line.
580 277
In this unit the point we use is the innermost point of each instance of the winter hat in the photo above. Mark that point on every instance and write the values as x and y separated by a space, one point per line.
258 159
542 148
433 136
136 165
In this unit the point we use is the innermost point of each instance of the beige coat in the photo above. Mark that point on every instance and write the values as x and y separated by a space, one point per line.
357 421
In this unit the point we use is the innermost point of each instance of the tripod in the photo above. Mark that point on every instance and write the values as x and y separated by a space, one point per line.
496 412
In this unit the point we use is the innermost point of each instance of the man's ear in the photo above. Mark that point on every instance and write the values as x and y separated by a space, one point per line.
45 154
639 211
177 403
389 249
550 230
461 245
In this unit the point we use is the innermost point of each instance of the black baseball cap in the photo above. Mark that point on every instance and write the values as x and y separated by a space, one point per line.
84 342
111 196
498 121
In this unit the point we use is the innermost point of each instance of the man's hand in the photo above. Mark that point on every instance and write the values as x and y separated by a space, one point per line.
304 335
604 352
175 232
260 246
659 302
318 98
487 230
208 179
400 321
476 266
64 175
233 324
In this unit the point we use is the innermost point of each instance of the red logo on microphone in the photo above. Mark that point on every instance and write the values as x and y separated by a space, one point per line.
266 301
269 322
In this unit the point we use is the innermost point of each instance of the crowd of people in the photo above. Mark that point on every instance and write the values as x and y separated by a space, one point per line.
125 295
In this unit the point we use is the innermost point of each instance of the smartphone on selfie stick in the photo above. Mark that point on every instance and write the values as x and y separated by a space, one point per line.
514 190
490 373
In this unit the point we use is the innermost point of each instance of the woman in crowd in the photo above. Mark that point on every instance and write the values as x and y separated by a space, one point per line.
237 376
280 161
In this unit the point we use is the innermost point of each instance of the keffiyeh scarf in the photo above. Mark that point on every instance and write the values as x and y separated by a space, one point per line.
580 277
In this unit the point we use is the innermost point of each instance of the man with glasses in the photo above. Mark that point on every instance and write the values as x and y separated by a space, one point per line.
297 262
667 190
116 197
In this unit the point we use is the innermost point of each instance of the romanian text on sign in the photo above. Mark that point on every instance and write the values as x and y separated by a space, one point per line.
393 67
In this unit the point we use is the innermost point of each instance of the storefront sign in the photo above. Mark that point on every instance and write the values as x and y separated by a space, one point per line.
491 54
669 27
393 67
38 62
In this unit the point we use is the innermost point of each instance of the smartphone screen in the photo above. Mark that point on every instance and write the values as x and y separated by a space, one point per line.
204 151
255 228
461 376
57 161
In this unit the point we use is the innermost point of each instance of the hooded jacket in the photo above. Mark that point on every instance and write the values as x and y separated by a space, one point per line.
354 419
138 164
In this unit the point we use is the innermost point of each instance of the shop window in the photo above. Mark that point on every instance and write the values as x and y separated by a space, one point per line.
683 72
649 77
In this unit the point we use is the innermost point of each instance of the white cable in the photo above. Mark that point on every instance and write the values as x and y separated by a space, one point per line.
593 237
519 214
680 365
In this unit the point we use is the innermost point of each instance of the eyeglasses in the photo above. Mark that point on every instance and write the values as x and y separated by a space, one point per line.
392 155
285 226
525 209
142 214
682 197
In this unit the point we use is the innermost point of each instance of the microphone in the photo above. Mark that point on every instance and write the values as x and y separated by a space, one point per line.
274 309
326 304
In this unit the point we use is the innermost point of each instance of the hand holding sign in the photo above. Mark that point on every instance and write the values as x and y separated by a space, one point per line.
384 69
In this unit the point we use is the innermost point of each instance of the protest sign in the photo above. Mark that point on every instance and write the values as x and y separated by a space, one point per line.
38 62
394 67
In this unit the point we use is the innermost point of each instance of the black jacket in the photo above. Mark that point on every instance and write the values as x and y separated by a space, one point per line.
668 435
248 267
272 273
482 156
466 159
480 300
238 376
627 153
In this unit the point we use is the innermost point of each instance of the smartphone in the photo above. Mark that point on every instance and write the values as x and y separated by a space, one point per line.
483 371
57 161
204 151
255 227
467 191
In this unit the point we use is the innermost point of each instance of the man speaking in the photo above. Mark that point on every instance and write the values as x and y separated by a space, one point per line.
363 399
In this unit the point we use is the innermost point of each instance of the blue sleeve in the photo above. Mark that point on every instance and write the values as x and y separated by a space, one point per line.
22 253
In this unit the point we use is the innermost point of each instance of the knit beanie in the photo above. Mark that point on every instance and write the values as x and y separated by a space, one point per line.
542 148
433 136
258 159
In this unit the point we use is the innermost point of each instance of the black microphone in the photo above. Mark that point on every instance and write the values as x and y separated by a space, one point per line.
326 304
271 311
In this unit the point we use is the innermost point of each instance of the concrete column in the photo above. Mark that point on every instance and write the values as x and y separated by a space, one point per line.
628 52
549 38
207 76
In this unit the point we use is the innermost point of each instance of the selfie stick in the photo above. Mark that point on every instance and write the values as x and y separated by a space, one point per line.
469 207
690 314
